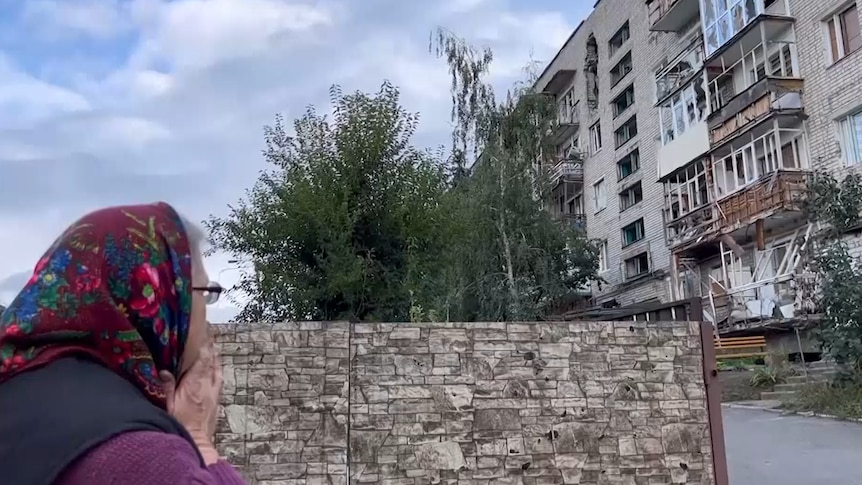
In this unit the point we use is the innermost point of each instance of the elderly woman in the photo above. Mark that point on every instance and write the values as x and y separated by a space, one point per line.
108 374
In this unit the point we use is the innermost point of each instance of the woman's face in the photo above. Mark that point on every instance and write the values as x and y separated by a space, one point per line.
199 332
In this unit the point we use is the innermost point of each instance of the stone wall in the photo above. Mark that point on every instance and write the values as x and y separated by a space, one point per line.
284 420
476 403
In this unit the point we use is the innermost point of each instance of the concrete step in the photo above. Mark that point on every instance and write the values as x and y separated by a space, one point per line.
817 365
811 378
776 395
820 376
793 386
790 386
816 370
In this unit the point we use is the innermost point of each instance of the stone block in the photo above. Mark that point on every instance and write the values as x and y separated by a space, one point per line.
446 455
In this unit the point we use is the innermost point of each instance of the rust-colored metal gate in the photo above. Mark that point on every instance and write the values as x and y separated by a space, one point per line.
713 393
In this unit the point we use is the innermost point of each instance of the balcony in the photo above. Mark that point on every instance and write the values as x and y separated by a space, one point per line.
688 209
770 96
577 222
567 171
738 25
773 194
671 15
679 72
772 200
684 132
762 82
778 145
559 82
568 119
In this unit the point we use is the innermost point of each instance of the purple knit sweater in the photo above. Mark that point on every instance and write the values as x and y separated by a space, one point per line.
146 458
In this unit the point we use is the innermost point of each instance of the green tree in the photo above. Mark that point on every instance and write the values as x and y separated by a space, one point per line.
834 207
347 221
510 259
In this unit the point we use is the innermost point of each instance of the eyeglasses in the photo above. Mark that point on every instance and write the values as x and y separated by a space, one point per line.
211 292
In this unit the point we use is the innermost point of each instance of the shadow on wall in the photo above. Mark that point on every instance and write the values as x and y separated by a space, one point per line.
574 402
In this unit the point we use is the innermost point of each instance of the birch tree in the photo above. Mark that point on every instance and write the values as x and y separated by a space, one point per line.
512 260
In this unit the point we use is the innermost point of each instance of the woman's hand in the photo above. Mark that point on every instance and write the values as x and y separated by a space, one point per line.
194 401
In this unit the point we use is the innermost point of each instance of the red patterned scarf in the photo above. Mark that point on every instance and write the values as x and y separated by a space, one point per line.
115 286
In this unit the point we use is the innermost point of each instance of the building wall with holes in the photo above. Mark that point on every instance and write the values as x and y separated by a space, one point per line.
469 403
649 50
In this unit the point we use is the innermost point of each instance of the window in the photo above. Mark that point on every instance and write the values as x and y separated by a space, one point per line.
626 132
722 90
600 195
596 137
686 191
633 233
629 164
631 196
747 163
576 206
637 266
723 19
843 32
603 256
681 112
619 39
567 108
678 73
780 65
570 148
622 69
624 100
851 138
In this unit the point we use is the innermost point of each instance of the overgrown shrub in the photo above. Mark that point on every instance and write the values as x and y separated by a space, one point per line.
776 371
843 401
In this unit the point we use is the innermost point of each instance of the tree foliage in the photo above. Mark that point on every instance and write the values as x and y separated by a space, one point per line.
513 261
345 223
834 206
351 221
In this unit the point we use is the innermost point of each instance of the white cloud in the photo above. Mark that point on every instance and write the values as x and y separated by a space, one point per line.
59 19
193 34
25 99
181 118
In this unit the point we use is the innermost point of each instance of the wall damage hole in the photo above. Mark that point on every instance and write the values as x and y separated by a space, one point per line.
513 451
631 329
525 466
684 466
529 356
553 434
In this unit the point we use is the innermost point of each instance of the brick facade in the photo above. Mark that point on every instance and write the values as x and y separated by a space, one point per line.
649 50
478 403
831 90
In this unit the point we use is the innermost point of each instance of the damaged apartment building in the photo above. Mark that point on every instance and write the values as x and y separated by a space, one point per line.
688 130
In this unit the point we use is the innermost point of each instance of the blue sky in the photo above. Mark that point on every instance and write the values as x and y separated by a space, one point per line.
116 101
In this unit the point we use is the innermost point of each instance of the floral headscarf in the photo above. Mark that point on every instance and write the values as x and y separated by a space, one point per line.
116 286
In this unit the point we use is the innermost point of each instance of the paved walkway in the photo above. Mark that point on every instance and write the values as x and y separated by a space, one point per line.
766 448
